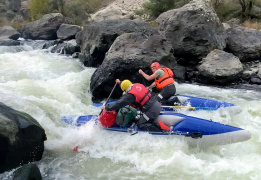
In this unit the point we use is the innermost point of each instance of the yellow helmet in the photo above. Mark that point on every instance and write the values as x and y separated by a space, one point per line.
125 85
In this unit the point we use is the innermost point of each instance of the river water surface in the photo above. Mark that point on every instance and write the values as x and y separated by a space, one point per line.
48 86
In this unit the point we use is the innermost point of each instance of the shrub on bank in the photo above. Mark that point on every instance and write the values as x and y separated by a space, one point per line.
153 8
78 10
226 10
38 8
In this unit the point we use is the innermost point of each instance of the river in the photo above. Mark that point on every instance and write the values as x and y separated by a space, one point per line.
48 86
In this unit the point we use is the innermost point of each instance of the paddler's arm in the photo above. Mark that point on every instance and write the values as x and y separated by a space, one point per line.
151 86
125 100
148 77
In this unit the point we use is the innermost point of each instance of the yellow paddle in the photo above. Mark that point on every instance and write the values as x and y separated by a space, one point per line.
180 107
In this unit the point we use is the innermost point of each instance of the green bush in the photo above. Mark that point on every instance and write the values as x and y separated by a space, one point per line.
257 3
93 5
234 9
153 8
227 10
78 10
38 8
56 6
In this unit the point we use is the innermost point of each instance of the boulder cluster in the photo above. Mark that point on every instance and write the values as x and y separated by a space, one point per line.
190 40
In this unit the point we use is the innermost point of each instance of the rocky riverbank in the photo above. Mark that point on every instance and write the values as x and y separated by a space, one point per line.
191 40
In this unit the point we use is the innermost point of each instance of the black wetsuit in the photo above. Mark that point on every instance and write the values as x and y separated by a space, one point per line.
166 93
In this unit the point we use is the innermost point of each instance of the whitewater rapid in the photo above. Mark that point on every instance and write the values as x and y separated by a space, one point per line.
48 86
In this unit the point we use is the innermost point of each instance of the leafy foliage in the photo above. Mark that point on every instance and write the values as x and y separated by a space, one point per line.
153 8
77 10
226 9
38 8
56 6
242 9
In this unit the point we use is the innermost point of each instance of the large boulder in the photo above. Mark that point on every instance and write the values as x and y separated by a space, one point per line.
21 138
193 30
44 28
68 31
129 53
8 32
243 42
220 67
96 38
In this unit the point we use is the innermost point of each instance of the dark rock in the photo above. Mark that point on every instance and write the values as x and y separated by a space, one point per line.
129 53
255 80
67 47
67 31
96 38
21 138
245 43
48 44
28 172
44 28
75 55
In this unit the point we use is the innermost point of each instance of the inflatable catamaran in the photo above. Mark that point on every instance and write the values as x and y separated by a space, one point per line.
195 131
177 102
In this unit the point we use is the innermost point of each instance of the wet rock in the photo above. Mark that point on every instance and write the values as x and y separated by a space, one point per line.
220 67
96 38
21 138
67 31
129 53
28 172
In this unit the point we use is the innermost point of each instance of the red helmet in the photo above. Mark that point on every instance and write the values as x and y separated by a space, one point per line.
107 118
155 64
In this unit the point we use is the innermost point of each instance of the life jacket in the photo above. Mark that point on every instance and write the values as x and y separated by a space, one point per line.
141 93
164 80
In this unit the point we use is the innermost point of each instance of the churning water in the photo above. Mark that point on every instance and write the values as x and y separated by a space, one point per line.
48 86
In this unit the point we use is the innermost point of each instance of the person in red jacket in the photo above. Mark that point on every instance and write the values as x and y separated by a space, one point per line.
138 96
164 81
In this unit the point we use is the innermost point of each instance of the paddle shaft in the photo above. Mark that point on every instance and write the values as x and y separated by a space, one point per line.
109 96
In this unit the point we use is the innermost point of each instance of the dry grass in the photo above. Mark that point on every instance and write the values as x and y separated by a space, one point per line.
16 25
251 24
4 21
